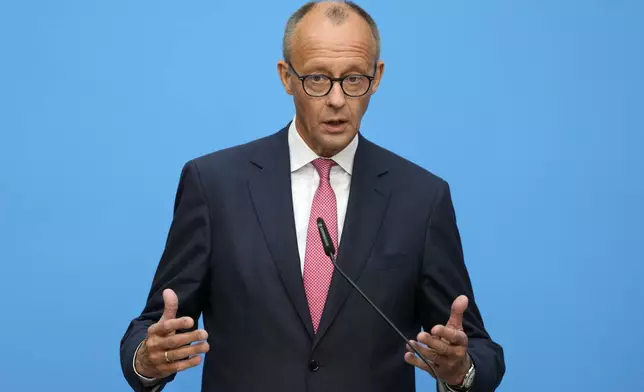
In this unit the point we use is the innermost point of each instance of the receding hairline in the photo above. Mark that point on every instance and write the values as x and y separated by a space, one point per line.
337 12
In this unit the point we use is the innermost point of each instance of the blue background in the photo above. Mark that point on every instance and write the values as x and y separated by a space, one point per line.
532 110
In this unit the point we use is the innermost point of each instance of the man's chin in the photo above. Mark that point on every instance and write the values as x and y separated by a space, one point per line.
332 143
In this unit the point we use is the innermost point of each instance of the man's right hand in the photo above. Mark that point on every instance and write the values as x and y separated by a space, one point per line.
164 351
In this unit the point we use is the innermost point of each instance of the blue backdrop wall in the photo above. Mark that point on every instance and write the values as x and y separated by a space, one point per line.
532 110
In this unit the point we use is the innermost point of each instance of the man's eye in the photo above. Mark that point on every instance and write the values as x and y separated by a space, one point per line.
317 78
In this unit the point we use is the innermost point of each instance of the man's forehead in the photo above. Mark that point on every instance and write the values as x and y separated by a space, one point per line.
324 35
335 67
321 55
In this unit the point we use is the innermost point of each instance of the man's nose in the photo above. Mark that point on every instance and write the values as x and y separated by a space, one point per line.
336 97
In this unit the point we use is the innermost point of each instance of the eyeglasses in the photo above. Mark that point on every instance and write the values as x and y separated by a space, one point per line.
319 85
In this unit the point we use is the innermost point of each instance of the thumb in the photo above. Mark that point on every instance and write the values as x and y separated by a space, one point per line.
171 305
459 306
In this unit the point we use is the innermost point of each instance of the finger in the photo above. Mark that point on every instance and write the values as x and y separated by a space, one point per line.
443 351
456 315
428 353
187 351
413 360
179 366
170 305
182 339
166 327
451 335
435 346
445 355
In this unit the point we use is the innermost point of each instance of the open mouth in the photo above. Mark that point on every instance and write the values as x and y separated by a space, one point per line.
335 123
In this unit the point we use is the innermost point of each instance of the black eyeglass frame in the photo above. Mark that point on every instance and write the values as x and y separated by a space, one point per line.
340 80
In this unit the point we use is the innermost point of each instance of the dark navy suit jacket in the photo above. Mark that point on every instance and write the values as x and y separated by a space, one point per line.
231 256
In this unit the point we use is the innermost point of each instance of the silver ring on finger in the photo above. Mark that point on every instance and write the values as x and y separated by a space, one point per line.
166 357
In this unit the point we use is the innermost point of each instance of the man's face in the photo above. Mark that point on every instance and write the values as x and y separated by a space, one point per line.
329 123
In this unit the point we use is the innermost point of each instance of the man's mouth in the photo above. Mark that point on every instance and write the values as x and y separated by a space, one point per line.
335 123
335 126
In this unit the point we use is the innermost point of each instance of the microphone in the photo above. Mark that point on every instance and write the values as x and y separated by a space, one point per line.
329 249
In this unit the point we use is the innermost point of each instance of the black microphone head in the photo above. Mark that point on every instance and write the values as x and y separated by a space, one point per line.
327 242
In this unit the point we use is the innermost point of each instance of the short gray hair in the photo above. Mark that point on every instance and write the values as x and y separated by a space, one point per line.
336 13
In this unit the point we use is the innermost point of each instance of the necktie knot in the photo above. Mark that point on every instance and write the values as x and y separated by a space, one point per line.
323 166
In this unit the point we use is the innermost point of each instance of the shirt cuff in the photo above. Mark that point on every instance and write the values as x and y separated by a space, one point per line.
146 381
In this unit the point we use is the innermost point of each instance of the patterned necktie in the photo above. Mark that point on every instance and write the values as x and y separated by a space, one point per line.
318 269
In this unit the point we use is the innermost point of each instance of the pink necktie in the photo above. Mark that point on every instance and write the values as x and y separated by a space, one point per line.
318 269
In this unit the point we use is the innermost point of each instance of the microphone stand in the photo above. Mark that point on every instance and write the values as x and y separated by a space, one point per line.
329 249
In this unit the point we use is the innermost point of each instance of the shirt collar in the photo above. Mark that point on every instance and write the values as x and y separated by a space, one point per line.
301 154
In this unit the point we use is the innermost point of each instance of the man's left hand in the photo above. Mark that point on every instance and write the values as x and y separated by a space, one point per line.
445 347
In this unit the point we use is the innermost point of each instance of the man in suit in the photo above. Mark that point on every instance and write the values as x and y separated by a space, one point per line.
243 249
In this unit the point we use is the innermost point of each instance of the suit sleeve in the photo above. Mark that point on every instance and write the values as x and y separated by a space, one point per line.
183 268
445 277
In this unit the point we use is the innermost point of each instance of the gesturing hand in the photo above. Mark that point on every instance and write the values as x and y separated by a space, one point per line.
165 352
445 347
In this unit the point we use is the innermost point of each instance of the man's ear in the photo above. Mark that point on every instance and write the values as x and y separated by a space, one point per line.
285 76
380 70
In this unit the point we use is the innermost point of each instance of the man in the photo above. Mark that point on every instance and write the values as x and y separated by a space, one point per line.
244 249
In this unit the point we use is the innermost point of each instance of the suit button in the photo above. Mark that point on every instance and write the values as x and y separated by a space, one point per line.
314 365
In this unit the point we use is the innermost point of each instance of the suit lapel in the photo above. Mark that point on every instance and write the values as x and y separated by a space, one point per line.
270 189
367 204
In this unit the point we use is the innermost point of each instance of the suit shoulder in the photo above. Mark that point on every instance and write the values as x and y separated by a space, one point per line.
230 154
230 157
409 172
